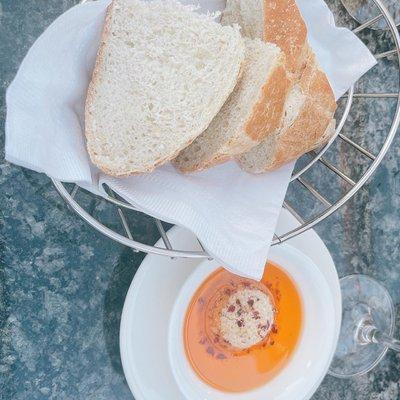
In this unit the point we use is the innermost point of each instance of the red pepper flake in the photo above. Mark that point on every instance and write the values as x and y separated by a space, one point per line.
238 302
256 315
231 308
221 356
227 291
201 301
263 327
250 302
274 329
216 339
272 343
210 350
240 322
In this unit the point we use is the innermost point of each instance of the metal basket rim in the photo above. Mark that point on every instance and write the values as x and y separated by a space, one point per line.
288 235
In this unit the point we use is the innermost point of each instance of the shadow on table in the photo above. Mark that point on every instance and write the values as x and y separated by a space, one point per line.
119 283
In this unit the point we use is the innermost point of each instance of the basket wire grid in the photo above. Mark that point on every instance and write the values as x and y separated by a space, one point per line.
314 158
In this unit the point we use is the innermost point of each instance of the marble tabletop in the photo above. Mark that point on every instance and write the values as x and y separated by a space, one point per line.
62 284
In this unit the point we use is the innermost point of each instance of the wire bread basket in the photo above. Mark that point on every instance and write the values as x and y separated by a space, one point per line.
306 183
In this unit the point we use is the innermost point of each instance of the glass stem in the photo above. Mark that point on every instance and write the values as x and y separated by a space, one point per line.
382 338
371 334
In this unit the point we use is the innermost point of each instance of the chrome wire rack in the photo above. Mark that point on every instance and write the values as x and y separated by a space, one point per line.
323 206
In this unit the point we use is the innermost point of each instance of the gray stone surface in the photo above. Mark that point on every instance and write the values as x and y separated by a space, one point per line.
62 285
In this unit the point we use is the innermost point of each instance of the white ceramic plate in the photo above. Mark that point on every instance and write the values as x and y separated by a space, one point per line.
150 300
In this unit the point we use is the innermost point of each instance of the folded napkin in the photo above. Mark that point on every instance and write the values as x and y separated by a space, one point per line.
233 213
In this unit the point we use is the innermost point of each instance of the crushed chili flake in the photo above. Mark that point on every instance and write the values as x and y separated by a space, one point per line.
210 350
221 356
231 308
203 340
263 327
250 302
238 302
274 329
240 322
256 315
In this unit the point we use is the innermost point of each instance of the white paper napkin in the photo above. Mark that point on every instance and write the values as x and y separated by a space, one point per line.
233 213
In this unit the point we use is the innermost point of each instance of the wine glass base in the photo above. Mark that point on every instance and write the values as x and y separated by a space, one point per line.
363 299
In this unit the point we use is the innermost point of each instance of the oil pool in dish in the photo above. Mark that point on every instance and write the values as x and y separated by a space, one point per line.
239 333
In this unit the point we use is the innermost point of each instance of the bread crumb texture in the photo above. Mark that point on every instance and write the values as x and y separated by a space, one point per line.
162 73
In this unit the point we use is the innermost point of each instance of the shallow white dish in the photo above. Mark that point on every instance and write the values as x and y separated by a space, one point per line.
314 350
150 299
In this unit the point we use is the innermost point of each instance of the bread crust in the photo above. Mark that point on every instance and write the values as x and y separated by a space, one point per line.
91 92
292 142
311 124
286 28
220 159
310 127
264 119
267 112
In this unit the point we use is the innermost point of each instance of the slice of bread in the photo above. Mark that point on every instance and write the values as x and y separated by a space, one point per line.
274 21
308 123
252 111
162 73
310 106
